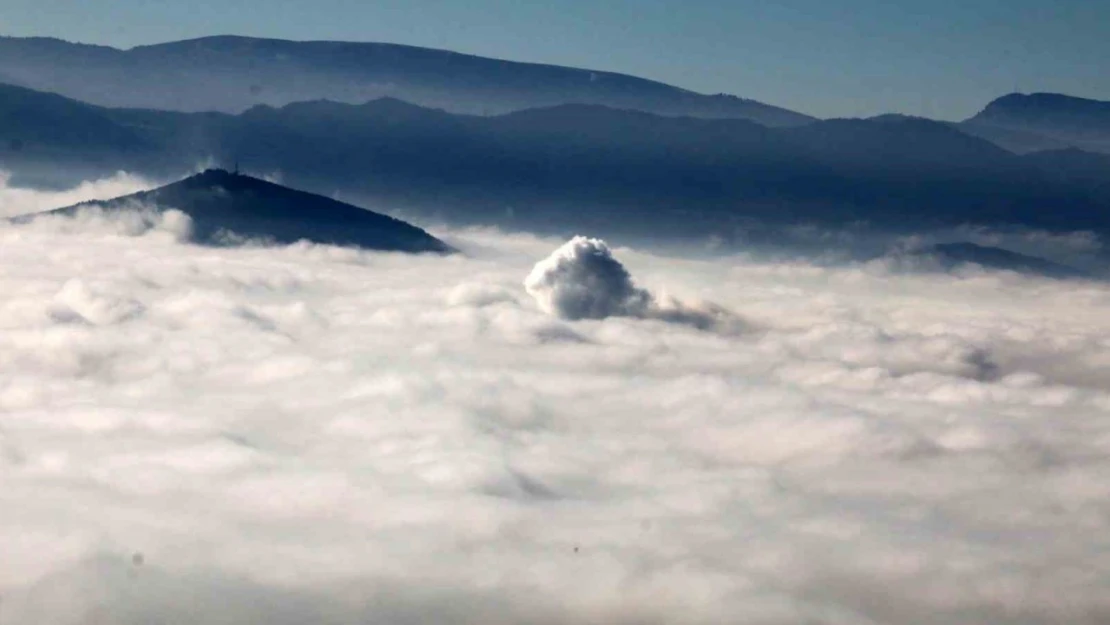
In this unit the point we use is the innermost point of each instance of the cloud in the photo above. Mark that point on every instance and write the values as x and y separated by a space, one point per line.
132 591
317 434
19 200
582 280
132 221
1081 249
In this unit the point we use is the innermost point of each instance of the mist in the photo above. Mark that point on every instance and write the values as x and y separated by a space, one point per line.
317 434
22 200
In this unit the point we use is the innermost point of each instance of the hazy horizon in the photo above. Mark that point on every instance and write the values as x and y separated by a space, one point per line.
854 60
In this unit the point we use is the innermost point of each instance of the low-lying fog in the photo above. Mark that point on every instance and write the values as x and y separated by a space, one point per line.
319 435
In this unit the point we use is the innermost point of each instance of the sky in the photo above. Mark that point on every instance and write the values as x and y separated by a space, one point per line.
943 59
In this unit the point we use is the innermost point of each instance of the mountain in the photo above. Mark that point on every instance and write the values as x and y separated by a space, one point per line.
1043 121
39 130
231 74
586 167
954 255
228 206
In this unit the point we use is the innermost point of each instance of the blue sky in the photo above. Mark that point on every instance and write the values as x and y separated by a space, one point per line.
944 58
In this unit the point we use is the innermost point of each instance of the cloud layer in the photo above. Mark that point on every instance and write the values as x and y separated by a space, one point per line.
18 201
315 434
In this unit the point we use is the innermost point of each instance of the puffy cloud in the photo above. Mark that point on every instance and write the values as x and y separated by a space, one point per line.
319 434
133 221
582 280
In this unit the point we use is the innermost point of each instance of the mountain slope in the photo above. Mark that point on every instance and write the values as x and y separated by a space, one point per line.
225 206
576 167
31 119
39 131
1040 121
603 164
232 74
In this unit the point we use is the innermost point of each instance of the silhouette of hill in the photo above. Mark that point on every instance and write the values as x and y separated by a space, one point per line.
39 130
226 206
1043 121
33 118
231 74
954 255
575 167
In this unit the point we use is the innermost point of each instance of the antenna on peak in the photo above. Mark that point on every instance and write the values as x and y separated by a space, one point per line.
236 167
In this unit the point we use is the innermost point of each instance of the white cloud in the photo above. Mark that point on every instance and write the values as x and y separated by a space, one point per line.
314 434
19 200
582 280
132 221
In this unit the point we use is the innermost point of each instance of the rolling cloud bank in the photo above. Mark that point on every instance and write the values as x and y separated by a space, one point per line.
537 431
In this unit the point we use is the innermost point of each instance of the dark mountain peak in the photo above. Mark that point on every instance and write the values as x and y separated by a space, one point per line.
1044 102
1038 121
239 42
951 255
228 180
207 39
44 43
1045 108
227 206
209 42
389 102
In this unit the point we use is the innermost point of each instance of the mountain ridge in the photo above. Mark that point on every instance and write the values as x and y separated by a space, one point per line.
1037 121
593 167
231 73
228 206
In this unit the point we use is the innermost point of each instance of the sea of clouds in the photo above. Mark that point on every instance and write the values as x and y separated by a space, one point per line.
537 431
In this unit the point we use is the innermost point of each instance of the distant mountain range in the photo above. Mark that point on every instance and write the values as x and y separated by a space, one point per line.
465 139
231 74
580 166
229 207
1043 121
